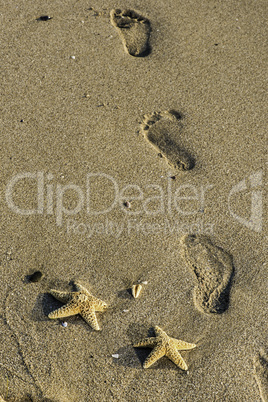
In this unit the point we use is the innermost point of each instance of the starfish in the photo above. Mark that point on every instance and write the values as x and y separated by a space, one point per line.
164 346
80 302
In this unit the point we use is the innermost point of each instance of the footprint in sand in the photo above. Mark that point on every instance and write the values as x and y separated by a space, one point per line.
261 374
213 268
134 31
161 130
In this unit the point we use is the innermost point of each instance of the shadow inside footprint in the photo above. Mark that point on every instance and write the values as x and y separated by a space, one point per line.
161 130
134 31
213 269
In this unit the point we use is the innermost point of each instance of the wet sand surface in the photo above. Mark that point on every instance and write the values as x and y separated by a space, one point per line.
85 198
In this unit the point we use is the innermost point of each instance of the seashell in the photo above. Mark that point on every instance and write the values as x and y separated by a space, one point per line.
136 289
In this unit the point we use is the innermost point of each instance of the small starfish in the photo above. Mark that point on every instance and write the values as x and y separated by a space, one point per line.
80 302
164 346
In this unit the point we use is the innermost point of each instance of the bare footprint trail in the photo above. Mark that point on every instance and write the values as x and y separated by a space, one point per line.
161 130
213 269
134 31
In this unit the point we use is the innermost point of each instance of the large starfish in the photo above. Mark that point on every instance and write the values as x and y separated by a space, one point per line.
80 302
164 346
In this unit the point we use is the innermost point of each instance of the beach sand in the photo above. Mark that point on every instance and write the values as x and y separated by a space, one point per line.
77 185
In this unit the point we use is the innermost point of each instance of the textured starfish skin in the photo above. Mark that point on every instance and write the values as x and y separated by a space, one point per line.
163 345
80 302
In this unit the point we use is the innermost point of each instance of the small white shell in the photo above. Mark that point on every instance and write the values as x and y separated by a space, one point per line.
115 356
136 289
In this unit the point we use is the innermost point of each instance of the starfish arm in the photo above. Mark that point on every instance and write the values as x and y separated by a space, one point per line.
181 345
176 357
146 343
64 297
99 305
81 288
156 354
65 311
158 331
90 317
